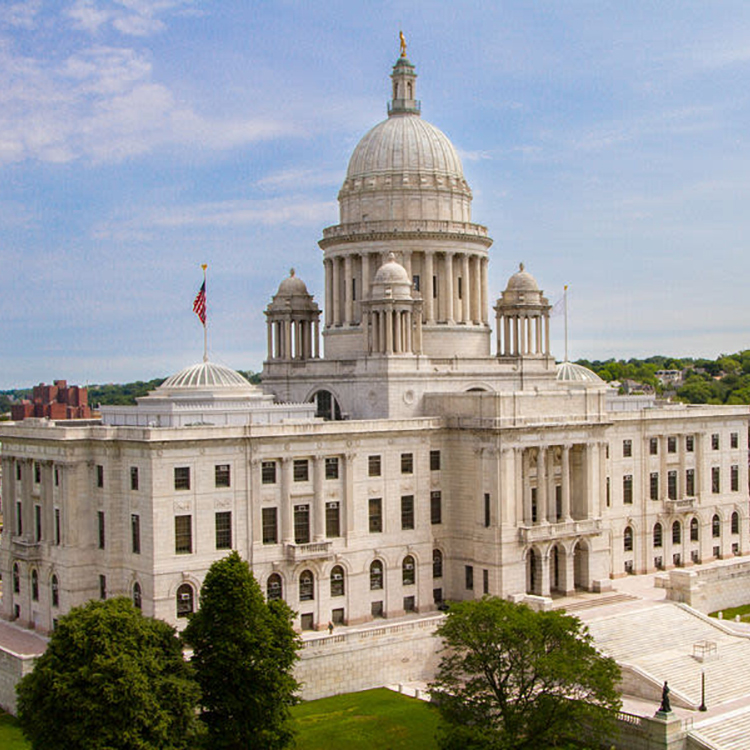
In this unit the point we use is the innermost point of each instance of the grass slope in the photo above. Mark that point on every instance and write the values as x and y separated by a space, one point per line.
11 737
371 720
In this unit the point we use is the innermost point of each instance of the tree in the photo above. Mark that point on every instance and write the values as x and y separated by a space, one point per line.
110 678
510 677
244 649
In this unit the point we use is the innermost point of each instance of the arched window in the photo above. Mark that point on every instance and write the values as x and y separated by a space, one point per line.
273 587
326 406
337 581
16 579
437 563
735 522
55 589
716 526
676 532
376 575
657 535
306 586
35 585
185 598
694 530
627 539
407 571
137 596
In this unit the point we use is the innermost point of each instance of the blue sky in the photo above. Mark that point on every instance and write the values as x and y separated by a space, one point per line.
607 145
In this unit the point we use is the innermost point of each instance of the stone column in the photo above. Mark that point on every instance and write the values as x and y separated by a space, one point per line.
336 291
349 519
406 262
448 302
316 340
269 336
663 475
256 521
388 317
551 492
319 506
541 484
287 530
329 292
565 465
476 301
485 296
466 291
544 587
546 335
365 293
516 335
348 300
429 301
526 485
570 573
366 343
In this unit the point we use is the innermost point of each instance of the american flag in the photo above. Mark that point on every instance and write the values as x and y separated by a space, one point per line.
199 306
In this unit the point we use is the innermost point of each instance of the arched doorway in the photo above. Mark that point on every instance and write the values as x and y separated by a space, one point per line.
557 580
532 572
581 566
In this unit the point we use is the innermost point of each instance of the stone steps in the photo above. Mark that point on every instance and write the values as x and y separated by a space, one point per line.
600 601
729 733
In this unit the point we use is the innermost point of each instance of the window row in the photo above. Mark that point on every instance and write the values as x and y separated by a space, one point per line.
658 531
222 477
672 488
54 585
653 444
183 532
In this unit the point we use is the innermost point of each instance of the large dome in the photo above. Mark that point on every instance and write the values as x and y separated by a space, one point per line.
205 375
404 144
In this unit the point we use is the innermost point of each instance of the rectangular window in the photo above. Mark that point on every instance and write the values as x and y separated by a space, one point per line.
469 577
672 485
183 534
715 441
689 443
415 282
460 287
38 523
182 477
409 604
38 473
376 609
18 472
133 477
487 518
268 472
715 480
333 521
407 463
354 290
19 517
270 527
222 475
302 524
735 478
223 523
609 493
436 507
375 511
654 485
534 506
373 466
300 470
434 460
653 446
690 482
57 477
332 467
407 512
485 581
671 445
734 440
135 533
627 489
434 287
558 502
99 475
58 536
102 587
101 529
627 448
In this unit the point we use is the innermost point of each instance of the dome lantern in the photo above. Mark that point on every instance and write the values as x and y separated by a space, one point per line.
404 78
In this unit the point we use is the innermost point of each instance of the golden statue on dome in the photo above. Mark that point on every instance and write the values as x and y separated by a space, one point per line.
402 41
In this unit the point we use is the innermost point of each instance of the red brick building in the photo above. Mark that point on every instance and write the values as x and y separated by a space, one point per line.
58 401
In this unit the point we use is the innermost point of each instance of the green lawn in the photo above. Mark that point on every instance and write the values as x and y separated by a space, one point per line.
10 735
731 612
372 720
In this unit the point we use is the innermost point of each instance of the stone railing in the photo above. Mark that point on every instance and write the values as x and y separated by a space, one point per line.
311 551
680 506
405 226
548 531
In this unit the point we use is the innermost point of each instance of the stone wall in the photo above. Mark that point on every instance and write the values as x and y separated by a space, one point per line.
711 589
12 668
360 660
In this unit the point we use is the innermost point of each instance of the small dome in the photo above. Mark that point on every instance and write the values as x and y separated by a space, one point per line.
205 375
391 272
573 374
292 286
522 281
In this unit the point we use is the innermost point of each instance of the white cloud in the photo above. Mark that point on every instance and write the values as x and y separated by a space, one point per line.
21 15
129 17
301 178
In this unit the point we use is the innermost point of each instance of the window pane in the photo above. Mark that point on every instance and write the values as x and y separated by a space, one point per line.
222 475
268 472
100 524
337 581
135 533
270 533
133 477
184 600
332 520
182 478
224 529
407 512
376 515
376 575
332 468
306 586
436 507
300 470
407 571
273 587
302 524
183 534
407 463
434 460
373 466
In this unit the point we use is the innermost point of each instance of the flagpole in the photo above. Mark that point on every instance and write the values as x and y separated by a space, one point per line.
565 310
204 266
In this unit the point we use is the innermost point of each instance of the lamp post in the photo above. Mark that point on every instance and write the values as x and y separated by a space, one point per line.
702 706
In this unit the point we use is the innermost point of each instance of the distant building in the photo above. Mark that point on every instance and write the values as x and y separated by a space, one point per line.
669 377
58 401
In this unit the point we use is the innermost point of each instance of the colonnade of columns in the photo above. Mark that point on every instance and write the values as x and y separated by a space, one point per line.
392 329
458 294
290 338
540 502
521 333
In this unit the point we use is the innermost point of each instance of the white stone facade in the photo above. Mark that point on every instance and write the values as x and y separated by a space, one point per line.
433 470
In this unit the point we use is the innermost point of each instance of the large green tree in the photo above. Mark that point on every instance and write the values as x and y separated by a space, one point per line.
110 679
244 650
510 677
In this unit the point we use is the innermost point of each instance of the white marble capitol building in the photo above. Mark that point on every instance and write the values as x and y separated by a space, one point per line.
414 457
